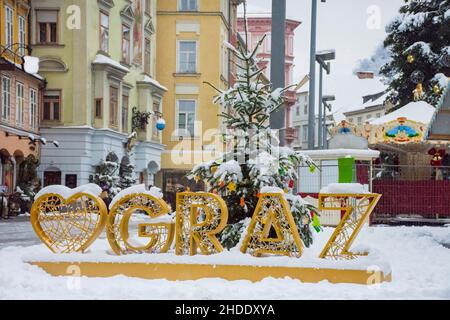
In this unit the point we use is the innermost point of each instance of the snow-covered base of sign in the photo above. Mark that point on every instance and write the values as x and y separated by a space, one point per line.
418 256
99 261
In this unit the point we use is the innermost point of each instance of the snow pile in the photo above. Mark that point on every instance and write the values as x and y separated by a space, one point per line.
66 192
344 188
271 190
154 82
154 192
419 111
229 168
104 60
417 258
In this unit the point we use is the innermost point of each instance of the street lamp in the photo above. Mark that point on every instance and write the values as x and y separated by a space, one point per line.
312 74
322 57
29 63
326 105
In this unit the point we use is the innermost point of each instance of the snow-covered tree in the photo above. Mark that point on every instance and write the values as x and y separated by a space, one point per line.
419 42
126 174
107 175
254 161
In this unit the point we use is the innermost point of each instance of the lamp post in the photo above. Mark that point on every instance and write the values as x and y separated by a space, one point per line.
312 75
326 105
322 57
278 62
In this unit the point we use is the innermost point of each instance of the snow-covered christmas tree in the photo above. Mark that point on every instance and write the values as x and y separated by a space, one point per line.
418 41
254 164
107 175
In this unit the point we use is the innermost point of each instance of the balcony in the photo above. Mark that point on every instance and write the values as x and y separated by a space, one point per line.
290 135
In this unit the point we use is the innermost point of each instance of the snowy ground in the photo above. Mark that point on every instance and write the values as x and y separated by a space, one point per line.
418 256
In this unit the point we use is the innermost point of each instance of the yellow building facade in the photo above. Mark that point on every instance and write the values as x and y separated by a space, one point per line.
190 52
99 60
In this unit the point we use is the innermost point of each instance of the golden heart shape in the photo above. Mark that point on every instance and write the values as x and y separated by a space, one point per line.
68 225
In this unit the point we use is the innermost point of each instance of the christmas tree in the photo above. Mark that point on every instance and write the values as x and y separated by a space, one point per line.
254 164
126 170
107 175
418 41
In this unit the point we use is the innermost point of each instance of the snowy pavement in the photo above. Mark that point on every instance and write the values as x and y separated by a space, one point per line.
17 232
418 257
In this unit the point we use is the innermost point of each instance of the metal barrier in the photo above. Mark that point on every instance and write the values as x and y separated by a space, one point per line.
410 194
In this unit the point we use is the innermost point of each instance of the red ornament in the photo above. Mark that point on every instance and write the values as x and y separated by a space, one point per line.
437 156
242 202
291 184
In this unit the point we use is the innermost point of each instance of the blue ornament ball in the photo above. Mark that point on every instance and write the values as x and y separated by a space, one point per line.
160 124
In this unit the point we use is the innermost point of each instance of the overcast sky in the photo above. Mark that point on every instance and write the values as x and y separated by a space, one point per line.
348 26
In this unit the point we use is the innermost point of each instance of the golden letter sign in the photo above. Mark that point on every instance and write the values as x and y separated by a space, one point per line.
72 224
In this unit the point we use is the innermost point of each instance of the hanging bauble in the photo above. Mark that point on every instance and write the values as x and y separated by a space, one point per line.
222 184
305 220
312 169
242 203
316 223
418 92
281 172
291 184
160 124
436 89
417 77
410 58
231 187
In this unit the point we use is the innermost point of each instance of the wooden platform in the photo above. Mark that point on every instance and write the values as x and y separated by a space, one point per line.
183 271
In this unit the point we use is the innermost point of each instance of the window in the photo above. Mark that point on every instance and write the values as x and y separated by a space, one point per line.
147 57
104 32
351 120
225 60
9 26
113 105
187 57
20 100
359 120
187 5
305 108
369 116
99 108
22 35
125 104
305 134
268 43
378 115
126 31
47 26
6 98
33 109
52 106
148 7
186 117
297 110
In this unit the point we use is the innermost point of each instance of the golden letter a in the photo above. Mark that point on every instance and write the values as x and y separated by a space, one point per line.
272 214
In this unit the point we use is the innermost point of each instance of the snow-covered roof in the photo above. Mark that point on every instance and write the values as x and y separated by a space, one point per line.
371 103
333 154
419 111
104 60
255 11
154 82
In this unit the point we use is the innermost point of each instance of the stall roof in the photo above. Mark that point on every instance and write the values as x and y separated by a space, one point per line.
334 154
419 111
